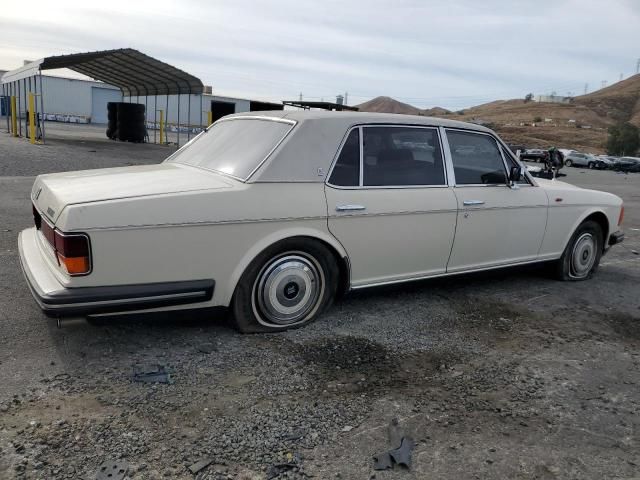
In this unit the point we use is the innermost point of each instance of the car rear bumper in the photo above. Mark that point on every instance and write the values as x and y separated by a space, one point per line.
59 301
616 237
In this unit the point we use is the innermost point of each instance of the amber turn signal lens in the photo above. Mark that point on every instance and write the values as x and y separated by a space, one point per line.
75 265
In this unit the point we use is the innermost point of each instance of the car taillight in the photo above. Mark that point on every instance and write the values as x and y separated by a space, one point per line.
621 217
73 252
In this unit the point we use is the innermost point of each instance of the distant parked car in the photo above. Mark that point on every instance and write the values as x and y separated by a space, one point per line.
566 151
535 154
605 162
627 164
514 148
576 159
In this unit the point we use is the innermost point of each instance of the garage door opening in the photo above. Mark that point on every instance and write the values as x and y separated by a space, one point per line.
220 109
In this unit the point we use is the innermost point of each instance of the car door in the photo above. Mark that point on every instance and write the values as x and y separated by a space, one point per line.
497 224
389 203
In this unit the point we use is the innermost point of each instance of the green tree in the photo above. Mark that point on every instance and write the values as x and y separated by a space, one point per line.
624 139
528 97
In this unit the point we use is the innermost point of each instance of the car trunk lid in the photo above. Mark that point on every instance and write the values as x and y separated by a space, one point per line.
51 193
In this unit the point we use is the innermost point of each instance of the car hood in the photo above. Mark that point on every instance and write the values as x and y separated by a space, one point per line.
555 185
53 192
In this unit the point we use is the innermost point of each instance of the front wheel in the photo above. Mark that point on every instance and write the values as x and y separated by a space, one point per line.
591 165
286 286
568 163
581 257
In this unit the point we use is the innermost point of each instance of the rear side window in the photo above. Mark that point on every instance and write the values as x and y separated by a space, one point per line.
346 171
476 159
401 156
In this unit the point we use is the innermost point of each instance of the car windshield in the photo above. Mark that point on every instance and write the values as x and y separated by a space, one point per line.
234 147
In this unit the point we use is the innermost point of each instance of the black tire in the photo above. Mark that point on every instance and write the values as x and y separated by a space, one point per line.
582 254
252 306
568 163
591 165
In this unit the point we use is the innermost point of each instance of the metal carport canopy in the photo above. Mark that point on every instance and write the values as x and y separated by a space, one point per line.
130 70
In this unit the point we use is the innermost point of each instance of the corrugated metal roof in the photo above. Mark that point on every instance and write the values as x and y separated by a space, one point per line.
130 70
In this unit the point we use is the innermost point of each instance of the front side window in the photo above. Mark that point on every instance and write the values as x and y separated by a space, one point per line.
476 159
235 147
401 156
346 171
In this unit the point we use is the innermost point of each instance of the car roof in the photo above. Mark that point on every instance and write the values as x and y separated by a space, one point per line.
362 117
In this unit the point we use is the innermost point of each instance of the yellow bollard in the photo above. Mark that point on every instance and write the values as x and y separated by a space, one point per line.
161 127
209 118
32 118
14 117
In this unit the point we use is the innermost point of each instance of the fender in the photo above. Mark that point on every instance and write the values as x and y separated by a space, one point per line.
264 243
590 211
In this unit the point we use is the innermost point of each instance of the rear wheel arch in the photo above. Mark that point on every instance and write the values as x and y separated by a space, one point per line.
272 241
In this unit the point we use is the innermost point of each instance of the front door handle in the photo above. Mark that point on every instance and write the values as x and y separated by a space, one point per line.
473 202
349 208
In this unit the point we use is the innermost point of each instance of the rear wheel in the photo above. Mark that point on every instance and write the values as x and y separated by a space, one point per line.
581 257
286 286
591 165
568 163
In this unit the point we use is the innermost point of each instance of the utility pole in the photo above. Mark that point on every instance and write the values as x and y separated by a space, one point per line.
638 66
604 83
620 77
586 88
300 96
346 98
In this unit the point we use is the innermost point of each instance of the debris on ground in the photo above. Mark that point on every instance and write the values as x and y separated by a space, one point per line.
151 374
400 455
112 470
293 463
207 348
200 465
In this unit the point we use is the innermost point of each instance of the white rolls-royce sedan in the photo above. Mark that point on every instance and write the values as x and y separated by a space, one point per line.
274 214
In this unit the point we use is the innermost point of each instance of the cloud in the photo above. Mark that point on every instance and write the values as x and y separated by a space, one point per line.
454 54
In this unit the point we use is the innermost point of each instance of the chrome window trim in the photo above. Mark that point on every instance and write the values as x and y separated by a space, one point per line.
246 179
361 186
361 147
525 172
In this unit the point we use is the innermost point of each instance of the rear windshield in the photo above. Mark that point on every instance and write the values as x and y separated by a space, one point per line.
235 147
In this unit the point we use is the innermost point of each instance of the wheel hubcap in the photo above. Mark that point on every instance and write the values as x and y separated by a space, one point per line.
583 256
287 289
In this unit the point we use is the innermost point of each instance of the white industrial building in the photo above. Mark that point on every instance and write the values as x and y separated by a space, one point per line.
553 99
85 101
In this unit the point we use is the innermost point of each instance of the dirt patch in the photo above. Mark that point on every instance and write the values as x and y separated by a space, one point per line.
355 365
624 324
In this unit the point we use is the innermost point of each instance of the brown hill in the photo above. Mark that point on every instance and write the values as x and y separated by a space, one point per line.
388 105
436 112
581 124
618 102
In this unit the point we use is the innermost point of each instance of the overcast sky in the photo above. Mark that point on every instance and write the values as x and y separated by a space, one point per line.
447 53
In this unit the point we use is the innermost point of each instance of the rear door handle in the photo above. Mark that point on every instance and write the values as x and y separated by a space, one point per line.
349 208
473 202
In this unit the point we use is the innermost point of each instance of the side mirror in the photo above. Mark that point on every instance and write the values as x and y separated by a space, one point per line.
515 174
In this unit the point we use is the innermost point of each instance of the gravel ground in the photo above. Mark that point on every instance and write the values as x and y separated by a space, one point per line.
500 375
